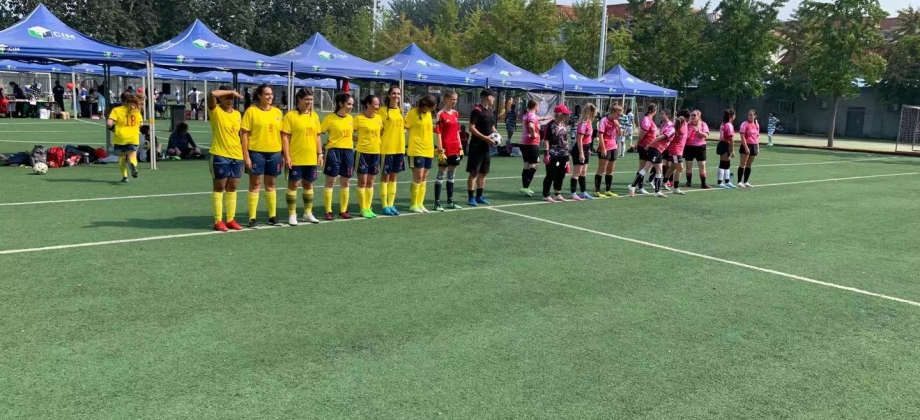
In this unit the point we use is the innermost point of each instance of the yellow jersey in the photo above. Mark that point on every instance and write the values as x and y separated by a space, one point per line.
264 129
421 133
304 129
127 125
340 130
368 134
393 141
225 130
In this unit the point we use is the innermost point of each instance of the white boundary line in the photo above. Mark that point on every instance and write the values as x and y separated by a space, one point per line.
528 203
711 258
165 195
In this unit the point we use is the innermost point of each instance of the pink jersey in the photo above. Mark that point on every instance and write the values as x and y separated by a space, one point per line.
667 130
528 139
697 137
585 131
751 132
727 132
651 131
680 139
609 129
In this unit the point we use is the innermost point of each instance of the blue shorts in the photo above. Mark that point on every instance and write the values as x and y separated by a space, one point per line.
265 163
223 168
339 162
394 164
125 147
368 164
305 172
419 162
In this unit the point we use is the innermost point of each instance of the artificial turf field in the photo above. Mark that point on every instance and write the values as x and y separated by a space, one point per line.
796 299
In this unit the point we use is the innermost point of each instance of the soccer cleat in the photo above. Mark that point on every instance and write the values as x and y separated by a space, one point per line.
724 186
667 186
472 202
549 199
221 227
415 209
394 211
740 185
344 215
575 197
453 206
233 225
387 211
371 212
688 184
292 220
660 194
526 192
586 196
329 216
366 214
310 218
530 191
438 208
253 223
678 191
273 221
611 194
632 191
482 200
598 194
423 209
124 180
560 198
748 185
642 191
706 187
133 170
730 185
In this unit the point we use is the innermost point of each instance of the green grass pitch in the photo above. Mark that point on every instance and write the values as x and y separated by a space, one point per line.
796 299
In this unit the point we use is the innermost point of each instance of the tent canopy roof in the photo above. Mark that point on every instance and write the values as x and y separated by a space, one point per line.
499 73
20 67
574 82
632 85
199 48
318 57
418 67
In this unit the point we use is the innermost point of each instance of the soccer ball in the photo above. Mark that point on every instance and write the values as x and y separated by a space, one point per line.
40 168
496 139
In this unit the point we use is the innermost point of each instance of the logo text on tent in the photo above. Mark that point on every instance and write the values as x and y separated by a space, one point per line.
200 43
108 54
420 76
506 73
326 55
40 32
427 64
8 49
181 59
263 65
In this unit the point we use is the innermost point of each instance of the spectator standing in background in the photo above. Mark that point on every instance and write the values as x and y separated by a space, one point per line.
193 98
58 92
771 127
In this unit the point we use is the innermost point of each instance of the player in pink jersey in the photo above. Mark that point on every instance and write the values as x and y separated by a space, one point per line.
726 149
750 147
450 151
609 131
647 133
530 146
654 154
581 153
676 154
698 132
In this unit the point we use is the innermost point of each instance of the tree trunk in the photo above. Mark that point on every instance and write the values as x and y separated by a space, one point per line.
830 130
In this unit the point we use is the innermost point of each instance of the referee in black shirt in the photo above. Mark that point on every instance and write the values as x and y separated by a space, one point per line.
482 125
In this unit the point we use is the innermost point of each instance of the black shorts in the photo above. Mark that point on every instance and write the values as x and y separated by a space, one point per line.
755 149
479 161
608 155
452 160
643 152
530 153
697 153
654 155
723 148
576 154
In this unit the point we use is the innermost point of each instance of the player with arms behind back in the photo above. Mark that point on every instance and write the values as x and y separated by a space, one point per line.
340 153
482 125
392 148
125 121
368 127
303 153
421 149
726 149
609 131
450 150
226 156
261 136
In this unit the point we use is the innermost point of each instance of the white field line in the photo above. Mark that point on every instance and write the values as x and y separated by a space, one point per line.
528 203
165 195
716 259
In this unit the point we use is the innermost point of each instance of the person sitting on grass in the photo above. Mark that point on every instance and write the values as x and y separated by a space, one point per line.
145 149
181 145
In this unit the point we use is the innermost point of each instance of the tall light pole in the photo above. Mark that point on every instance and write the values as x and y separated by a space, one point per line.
603 51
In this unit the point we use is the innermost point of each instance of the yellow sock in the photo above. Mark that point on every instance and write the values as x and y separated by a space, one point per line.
230 205
327 199
271 199
343 200
123 165
391 194
369 193
422 189
308 201
383 194
291 196
217 202
361 199
253 204
413 195
133 159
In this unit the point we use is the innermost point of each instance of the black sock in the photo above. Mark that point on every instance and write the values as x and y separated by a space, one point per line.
608 180
582 184
450 191
533 172
657 184
527 176
573 183
689 178
437 192
638 181
719 181
651 175
703 180
547 182
524 181
597 183
470 192
740 174
747 174
478 192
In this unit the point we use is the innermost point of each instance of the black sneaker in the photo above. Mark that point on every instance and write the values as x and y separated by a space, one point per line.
133 170
273 221
253 223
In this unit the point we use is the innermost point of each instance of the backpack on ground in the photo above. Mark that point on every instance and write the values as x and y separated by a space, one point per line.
39 154
56 157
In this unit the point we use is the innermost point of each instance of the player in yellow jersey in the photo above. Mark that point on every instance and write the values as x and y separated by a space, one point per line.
226 156
340 154
125 121
368 126
421 150
303 152
261 136
393 149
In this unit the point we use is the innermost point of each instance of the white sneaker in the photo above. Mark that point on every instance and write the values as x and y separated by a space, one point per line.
309 218
632 191
679 192
741 185
748 185
575 197
549 199
292 220
560 198
660 194
423 209
642 191
666 187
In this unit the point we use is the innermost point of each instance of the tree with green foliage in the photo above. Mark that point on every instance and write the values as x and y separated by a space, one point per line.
786 78
665 35
396 34
524 32
448 44
900 83
842 41
355 39
739 48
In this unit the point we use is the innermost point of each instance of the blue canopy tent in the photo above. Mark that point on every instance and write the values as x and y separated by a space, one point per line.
318 57
628 84
572 81
21 67
227 77
417 67
199 48
499 73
